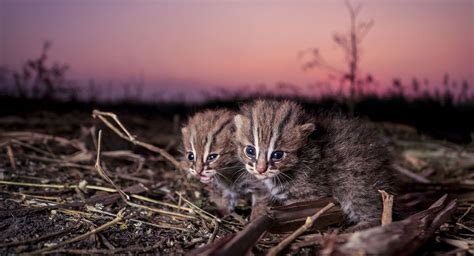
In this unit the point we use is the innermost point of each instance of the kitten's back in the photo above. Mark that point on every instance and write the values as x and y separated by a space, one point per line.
359 163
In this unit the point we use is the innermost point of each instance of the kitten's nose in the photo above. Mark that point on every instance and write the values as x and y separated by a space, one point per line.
199 168
261 166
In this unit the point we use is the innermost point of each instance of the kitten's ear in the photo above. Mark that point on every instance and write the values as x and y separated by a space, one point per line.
307 129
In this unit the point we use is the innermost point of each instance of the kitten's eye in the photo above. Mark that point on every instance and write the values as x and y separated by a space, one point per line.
250 151
190 156
277 155
212 157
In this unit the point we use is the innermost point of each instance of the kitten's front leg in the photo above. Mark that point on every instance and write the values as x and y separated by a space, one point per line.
232 198
222 202
259 206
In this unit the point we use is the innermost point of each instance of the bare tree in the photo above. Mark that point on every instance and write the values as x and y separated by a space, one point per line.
36 79
349 42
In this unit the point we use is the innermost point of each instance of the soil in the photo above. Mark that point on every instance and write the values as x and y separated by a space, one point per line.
51 192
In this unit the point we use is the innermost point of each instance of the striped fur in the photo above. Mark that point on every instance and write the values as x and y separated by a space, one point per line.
324 155
271 126
211 132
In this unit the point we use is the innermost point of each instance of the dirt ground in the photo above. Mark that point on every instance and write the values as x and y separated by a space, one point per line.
53 199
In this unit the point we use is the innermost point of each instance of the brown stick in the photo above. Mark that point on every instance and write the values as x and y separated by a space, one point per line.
33 136
411 174
108 199
387 207
125 134
401 237
103 172
214 233
309 222
154 224
245 239
11 157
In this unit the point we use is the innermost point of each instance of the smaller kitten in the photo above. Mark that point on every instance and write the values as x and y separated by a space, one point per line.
209 155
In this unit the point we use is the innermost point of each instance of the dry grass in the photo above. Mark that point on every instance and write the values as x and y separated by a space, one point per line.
63 192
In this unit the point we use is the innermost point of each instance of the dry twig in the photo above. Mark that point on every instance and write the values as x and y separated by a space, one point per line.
103 173
125 134
209 217
33 136
387 207
156 225
11 157
214 233
101 188
411 174
309 222
400 237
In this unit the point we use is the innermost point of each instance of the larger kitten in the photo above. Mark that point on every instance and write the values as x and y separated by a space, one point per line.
209 154
300 157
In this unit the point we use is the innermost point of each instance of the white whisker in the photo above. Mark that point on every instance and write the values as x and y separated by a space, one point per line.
240 176
218 175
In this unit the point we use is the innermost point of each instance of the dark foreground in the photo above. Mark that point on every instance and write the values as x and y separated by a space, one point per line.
53 199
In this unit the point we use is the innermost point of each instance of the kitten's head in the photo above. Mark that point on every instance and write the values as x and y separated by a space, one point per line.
208 144
269 136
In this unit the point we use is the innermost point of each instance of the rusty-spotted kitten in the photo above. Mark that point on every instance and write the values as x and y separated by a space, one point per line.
300 157
209 154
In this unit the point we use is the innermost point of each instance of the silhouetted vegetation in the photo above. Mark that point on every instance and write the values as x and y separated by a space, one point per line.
349 43
444 111
38 80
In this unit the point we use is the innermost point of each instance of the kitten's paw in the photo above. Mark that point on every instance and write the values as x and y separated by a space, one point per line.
257 211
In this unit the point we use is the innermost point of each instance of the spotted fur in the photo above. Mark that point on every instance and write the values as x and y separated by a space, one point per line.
324 155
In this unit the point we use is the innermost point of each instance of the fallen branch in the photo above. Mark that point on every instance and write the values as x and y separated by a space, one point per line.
291 217
308 224
466 245
245 239
278 219
400 237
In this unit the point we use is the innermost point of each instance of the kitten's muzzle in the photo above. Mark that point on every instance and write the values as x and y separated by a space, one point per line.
205 179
